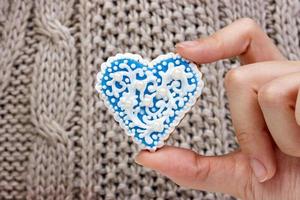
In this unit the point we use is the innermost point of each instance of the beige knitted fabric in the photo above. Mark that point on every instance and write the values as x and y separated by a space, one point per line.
57 140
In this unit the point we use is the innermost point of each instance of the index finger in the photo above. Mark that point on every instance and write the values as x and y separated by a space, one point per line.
242 38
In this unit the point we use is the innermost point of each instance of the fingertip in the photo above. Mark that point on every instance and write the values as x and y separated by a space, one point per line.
179 48
188 49
150 159
200 51
259 170
141 157
264 168
187 44
271 171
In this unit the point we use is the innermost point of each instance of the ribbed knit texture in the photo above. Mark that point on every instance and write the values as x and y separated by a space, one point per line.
57 139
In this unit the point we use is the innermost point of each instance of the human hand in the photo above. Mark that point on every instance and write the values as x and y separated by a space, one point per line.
264 101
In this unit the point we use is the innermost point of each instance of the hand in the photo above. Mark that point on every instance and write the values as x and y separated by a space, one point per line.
264 101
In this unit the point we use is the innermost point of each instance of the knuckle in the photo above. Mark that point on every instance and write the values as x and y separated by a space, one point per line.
271 95
244 138
202 169
248 190
218 42
245 187
234 78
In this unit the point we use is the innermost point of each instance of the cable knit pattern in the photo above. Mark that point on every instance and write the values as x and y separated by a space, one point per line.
57 139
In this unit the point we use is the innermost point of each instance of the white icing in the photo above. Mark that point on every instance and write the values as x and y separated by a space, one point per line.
162 91
154 137
178 74
147 102
124 66
139 85
151 88
118 77
148 139
157 125
153 120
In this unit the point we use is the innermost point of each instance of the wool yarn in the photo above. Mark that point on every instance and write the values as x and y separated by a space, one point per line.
57 139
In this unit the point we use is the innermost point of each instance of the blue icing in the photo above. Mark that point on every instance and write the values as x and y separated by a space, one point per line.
147 100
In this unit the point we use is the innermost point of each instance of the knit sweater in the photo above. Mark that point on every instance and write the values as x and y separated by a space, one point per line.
57 139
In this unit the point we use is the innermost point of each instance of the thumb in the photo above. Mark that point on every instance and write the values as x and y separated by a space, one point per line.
228 174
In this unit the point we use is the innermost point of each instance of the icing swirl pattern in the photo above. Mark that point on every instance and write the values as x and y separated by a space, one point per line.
149 99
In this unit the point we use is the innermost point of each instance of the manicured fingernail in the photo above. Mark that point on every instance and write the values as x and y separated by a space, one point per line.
259 170
187 44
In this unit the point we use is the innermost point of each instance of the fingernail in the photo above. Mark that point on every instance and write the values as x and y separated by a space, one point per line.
137 161
187 44
259 170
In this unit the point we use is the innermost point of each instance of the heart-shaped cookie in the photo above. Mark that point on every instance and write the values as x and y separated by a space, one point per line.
149 99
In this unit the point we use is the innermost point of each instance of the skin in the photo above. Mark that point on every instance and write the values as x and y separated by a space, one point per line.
264 101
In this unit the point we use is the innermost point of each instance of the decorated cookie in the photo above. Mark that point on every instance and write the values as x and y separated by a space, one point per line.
149 99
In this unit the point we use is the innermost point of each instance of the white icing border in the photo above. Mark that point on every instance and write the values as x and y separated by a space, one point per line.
138 58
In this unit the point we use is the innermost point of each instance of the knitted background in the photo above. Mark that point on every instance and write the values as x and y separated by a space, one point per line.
57 140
